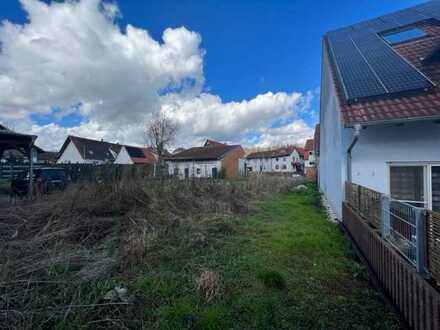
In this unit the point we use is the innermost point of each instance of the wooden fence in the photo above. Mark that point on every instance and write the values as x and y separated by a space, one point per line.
433 244
416 299
366 202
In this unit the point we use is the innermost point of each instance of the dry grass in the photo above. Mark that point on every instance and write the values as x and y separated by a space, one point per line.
208 284
60 255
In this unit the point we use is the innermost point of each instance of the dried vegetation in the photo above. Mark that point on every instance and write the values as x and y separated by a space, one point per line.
62 254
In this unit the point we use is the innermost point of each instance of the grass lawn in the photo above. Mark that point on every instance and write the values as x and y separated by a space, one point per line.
283 267
4 186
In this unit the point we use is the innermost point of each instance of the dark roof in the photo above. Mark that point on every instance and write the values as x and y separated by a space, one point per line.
367 66
397 107
310 145
48 156
281 152
12 140
93 149
211 150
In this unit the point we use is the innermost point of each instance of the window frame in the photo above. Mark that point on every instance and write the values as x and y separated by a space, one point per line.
386 36
427 179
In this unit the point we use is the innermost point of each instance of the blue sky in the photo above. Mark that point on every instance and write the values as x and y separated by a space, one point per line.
252 47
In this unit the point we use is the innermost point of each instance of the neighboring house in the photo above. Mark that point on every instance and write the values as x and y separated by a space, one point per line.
380 107
87 151
135 155
316 138
206 161
282 160
310 159
309 154
47 157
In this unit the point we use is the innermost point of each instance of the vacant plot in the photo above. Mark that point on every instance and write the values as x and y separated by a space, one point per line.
184 255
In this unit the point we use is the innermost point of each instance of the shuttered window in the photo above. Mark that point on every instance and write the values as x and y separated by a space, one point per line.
406 184
435 188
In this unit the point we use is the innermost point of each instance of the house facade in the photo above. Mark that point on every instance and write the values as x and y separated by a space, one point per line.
380 108
79 150
282 160
207 161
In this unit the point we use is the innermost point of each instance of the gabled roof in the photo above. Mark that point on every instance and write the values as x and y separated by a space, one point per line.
396 104
93 149
317 137
141 155
280 152
310 145
211 150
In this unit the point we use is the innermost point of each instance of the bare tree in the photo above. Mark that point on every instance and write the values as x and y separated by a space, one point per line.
161 133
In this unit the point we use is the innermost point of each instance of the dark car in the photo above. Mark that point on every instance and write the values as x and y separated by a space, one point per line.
45 180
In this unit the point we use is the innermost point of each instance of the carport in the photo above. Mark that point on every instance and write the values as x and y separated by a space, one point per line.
24 143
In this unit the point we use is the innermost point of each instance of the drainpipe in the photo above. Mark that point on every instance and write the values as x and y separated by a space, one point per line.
357 130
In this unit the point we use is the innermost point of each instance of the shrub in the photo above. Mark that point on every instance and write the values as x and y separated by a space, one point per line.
272 279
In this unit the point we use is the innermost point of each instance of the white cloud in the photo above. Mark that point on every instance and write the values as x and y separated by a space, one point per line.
73 56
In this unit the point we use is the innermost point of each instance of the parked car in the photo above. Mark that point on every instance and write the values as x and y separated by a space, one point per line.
45 180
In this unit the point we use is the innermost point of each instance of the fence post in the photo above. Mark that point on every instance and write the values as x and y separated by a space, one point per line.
385 221
421 265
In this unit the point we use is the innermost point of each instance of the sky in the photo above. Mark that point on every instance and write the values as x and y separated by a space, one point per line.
243 72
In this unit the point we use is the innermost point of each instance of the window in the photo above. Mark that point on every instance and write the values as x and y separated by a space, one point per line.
277 167
418 185
176 171
284 167
198 171
276 159
407 184
284 158
404 36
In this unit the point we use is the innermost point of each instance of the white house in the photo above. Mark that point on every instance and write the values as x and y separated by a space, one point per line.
282 160
135 155
309 154
87 151
206 161
380 108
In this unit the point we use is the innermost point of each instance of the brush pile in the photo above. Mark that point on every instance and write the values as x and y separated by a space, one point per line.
61 254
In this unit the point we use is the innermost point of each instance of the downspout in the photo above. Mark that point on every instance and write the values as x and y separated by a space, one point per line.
357 130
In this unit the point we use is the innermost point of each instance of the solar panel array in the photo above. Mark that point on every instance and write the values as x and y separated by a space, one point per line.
367 65
135 152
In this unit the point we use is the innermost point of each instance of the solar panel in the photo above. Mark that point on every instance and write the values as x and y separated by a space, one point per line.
396 74
135 152
367 65
358 79
381 24
408 17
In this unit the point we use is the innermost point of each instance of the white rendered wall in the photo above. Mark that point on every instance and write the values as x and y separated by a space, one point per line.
380 145
332 159
269 164
123 157
204 166
70 155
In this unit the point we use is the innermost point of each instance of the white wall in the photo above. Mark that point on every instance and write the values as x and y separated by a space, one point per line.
333 144
123 157
204 166
70 155
269 164
380 145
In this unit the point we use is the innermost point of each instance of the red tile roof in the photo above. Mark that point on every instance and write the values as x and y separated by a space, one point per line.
211 150
405 106
281 152
310 145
